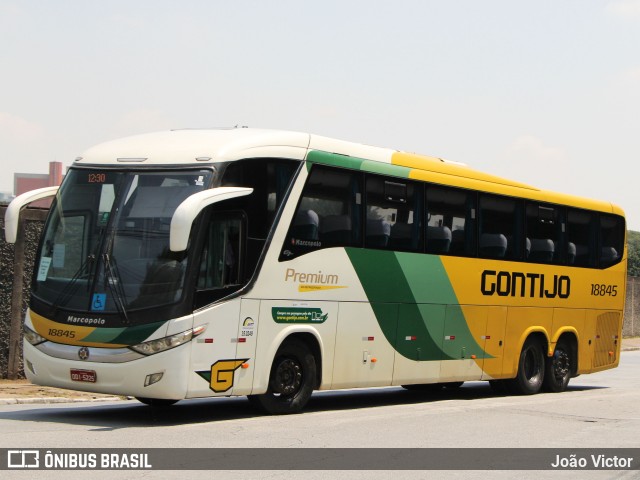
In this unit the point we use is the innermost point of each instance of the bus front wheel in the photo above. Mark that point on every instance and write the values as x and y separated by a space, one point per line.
531 368
291 381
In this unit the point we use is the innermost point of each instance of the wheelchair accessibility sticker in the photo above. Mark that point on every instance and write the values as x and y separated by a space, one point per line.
98 302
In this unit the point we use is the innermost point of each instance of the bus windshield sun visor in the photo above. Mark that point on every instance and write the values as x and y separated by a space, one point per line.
191 207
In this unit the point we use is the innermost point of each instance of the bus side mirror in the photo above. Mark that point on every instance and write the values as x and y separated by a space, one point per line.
12 215
189 209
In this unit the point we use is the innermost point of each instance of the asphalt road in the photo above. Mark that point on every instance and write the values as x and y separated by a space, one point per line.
597 411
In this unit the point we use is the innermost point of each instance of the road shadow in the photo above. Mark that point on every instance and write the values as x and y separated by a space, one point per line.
132 414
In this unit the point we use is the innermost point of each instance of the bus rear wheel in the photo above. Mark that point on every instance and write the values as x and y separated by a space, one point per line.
291 381
531 367
558 369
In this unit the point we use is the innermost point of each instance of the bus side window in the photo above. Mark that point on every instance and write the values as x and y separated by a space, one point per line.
544 235
450 221
500 222
223 258
580 238
221 262
270 179
393 214
612 230
328 214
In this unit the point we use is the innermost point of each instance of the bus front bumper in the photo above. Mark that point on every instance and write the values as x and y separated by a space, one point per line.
163 375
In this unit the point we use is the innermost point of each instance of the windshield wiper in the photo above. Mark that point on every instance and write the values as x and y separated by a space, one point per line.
115 285
68 290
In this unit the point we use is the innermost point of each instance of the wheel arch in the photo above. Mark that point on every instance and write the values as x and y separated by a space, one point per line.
536 332
309 336
313 342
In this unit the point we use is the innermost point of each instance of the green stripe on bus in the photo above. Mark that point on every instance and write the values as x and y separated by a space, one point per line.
385 169
414 303
123 336
334 160
354 163
428 279
104 335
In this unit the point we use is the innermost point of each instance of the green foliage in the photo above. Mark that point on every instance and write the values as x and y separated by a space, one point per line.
633 265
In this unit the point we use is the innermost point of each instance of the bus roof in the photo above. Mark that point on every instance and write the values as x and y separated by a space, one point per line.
195 146
202 147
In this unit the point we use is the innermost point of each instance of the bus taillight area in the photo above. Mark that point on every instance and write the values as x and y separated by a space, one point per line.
160 376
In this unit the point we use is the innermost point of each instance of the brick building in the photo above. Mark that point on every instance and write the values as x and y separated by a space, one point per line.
25 182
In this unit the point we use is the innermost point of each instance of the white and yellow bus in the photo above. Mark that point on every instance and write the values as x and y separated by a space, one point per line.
204 263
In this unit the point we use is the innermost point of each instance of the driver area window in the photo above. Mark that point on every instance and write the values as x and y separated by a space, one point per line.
222 258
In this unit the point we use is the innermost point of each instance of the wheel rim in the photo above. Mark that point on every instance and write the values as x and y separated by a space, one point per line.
532 365
561 364
288 377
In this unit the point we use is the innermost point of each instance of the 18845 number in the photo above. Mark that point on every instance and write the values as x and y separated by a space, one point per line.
603 290
54 332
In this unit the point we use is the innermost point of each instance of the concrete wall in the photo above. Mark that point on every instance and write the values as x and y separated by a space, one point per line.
15 281
6 283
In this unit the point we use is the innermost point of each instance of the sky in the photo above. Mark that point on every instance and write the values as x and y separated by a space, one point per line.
544 92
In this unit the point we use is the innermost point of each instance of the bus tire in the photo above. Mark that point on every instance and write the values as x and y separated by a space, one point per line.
156 402
291 382
558 369
531 367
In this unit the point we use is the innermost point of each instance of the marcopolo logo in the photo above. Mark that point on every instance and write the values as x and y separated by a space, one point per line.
85 320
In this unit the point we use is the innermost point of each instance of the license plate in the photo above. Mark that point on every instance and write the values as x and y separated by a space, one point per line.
83 376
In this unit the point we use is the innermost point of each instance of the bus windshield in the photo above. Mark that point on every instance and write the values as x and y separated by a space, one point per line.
105 247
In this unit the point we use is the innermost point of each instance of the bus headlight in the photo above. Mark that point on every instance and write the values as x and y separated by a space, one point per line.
166 343
32 337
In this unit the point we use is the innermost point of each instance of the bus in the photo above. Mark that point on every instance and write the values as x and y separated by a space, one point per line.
230 262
